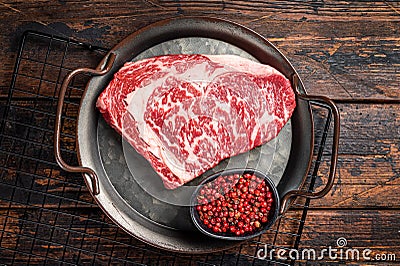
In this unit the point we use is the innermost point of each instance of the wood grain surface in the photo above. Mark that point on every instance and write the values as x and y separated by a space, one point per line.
347 50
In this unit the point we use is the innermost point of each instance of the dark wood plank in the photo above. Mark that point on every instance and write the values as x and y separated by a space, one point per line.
377 230
368 171
369 129
346 50
368 164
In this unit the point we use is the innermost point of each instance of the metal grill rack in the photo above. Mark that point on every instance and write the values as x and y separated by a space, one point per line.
47 216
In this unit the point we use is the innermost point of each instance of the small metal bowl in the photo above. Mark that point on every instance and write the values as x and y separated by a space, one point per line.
272 216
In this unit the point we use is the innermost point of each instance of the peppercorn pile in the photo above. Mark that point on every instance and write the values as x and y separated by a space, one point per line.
235 204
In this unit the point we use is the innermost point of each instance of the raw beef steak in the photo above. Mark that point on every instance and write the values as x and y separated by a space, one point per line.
186 113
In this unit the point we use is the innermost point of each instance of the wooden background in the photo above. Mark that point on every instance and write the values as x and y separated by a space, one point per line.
347 50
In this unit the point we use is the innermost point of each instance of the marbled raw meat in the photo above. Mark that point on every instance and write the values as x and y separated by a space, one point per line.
186 113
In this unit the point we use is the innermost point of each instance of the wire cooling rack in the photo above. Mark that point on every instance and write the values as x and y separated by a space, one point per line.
47 216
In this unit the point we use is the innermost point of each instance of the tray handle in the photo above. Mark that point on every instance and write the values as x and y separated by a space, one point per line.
335 146
57 131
